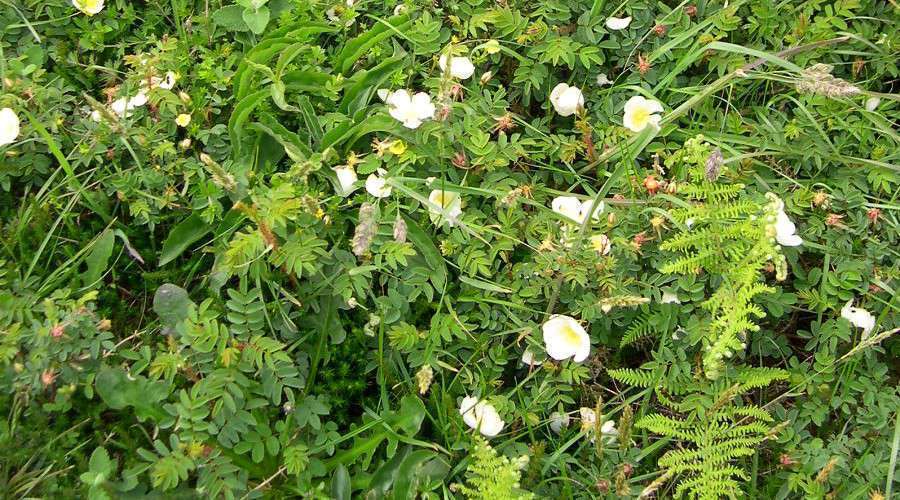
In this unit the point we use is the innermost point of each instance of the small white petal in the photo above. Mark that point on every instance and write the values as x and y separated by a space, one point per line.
447 206
567 206
558 421
346 177
460 67
566 100
858 317
669 298
383 94
89 7
872 103
602 80
9 126
618 23
377 186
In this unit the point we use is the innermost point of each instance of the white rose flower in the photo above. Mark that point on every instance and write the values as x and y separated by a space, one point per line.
858 317
558 421
410 110
447 205
481 416
601 244
640 112
575 209
9 126
377 185
346 177
89 7
565 338
460 67
618 23
566 100
609 432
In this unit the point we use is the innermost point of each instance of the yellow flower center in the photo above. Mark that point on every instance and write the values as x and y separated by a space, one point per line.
640 117
569 335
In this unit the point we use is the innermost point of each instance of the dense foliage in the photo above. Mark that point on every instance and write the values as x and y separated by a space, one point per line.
450 249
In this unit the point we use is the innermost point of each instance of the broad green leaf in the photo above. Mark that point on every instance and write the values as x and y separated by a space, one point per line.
172 304
230 18
97 260
340 484
256 19
182 236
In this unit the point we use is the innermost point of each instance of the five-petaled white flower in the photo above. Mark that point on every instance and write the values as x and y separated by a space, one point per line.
410 110
785 230
565 338
858 317
481 416
9 126
377 185
640 112
601 244
89 7
618 23
575 209
445 205
460 67
566 100
346 178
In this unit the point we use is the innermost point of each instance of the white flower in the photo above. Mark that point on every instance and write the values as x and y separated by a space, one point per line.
618 23
566 100
383 94
166 83
669 298
858 317
588 417
410 110
601 244
575 209
609 432
9 126
785 230
602 80
872 103
460 67
96 116
589 421
346 177
123 105
558 421
640 112
377 185
481 415
447 205
565 338
183 120
399 9
529 358
89 7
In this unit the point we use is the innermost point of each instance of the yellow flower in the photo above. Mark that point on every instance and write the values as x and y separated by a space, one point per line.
183 120
492 47
398 147
89 7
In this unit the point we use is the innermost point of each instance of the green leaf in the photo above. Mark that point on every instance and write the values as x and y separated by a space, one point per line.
240 115
230 18
256 19
356 48
98 260
340 484
172 304
427 249
100 462
182 236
